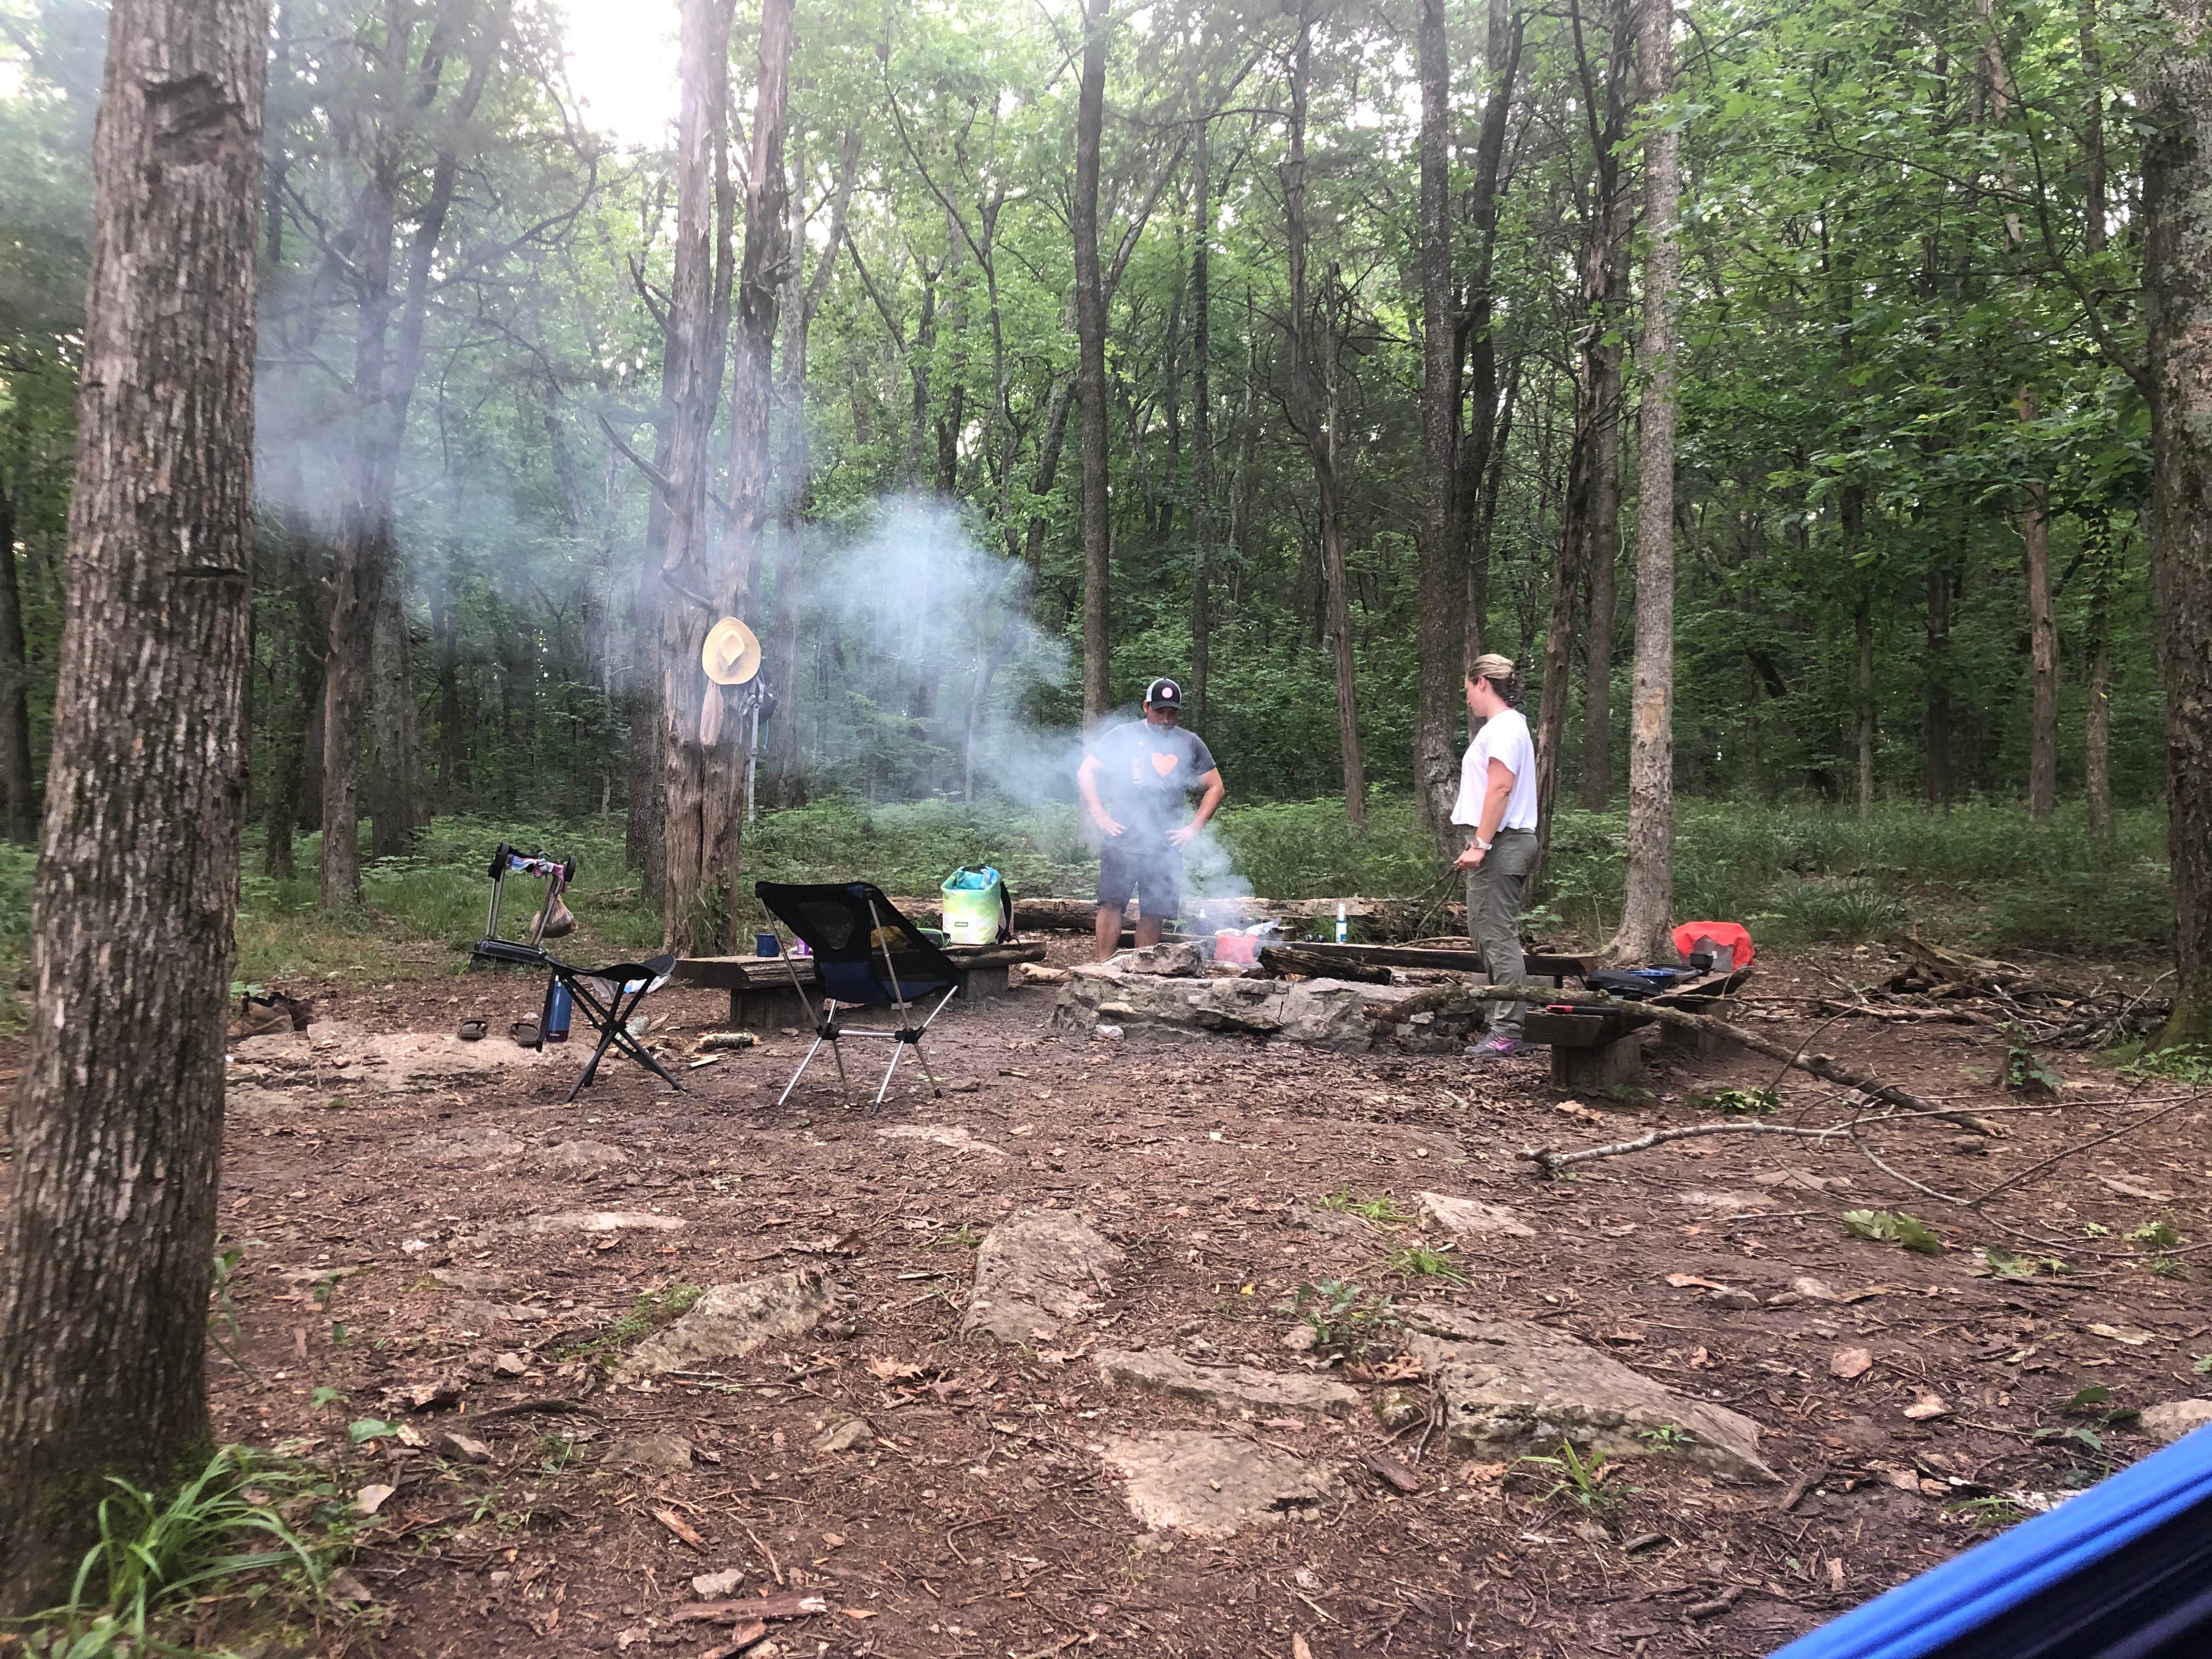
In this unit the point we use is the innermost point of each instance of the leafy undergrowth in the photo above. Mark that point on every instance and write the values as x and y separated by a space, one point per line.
263 1539
1979 874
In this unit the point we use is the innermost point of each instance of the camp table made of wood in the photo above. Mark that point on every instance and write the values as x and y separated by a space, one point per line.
761 992
1602 1048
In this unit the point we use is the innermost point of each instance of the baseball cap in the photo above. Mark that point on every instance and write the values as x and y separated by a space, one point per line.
1163 694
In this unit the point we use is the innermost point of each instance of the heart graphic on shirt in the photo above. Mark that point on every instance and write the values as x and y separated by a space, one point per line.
1164 764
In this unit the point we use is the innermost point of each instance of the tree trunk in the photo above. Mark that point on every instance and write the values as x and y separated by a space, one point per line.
19 804
1483 441
452 737
2097 714
117 1124
1441 644
1090 371
706 731
1937 776
2178 301
1588 531
388 362
1647 916
2042 642
292 732
1863 631
786 786
1596 791
1318 430
1202 430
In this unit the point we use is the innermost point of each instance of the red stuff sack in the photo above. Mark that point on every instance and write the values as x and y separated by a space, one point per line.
1730 934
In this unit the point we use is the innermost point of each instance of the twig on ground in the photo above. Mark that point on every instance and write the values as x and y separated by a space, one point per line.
1549 1161
2064 1152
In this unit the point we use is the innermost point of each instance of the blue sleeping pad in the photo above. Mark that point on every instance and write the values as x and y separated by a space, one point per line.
2122 1572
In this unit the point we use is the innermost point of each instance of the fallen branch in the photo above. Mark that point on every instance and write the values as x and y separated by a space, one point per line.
1818 1065
1549 1161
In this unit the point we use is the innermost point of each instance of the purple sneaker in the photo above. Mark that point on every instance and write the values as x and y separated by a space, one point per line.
1501 1046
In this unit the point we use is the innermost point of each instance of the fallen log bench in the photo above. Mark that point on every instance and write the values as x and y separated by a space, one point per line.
1604 1048
1328 956
761 994
1598 1050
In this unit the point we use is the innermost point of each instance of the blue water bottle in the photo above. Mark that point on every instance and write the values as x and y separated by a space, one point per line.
556 1015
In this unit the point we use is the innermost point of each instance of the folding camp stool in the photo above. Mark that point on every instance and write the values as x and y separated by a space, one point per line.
608 998
867 956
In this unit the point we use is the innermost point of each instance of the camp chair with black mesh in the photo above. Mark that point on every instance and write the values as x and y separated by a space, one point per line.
606 997
866 955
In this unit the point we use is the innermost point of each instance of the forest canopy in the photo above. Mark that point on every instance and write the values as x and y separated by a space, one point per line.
1909 248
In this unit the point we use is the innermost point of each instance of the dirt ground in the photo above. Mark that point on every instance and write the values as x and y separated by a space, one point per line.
379 1208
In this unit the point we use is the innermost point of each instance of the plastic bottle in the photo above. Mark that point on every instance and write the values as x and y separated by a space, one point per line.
1340 933
556 1017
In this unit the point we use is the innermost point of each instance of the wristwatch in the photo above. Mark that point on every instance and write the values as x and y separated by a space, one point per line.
1481 844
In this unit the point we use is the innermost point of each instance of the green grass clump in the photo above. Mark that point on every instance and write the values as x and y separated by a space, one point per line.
1887 1227
155 1554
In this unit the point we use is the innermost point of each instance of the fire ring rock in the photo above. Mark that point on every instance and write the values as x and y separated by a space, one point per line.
1507 1382
1036 1270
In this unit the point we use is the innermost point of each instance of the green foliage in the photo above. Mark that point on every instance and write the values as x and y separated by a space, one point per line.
1418 1262
17 864
2189 1063
1846 910
156 1553
1892 1227
1381 1212
2161 1234
223 1323
2006 1264
2025 1071
1581 1479
1735 1103
1345 1317
1666 1438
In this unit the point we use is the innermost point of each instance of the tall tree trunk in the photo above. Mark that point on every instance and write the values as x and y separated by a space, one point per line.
2043 642
19 804
2177 289
388 362
452 736
1319 433
698 319
1937 774
1483 440
1647 916
707 735
786 786
1863 637
298 718
2097 714
118 1126
1596 791
1090 371
1201 429
1441 646
1588 531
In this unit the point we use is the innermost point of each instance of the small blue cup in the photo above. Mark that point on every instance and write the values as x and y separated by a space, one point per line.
767 945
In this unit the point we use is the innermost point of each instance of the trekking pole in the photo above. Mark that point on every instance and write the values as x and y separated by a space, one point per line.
1436 896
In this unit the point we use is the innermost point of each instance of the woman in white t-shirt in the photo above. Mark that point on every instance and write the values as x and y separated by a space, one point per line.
1497 802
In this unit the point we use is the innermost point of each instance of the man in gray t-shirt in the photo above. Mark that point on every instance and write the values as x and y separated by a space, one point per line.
1135 780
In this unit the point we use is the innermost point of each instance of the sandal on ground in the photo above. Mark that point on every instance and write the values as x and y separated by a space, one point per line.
525 1033
472 1030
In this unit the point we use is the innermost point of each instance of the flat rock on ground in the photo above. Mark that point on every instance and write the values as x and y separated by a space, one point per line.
1213 1485
1472 1218
580 1158
1036 1270
955 1136
1508 1382
1243 1388
592 1221
650 1452
731 1321
2171 1419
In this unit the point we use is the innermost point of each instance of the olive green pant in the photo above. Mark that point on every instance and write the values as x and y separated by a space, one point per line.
1493 920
